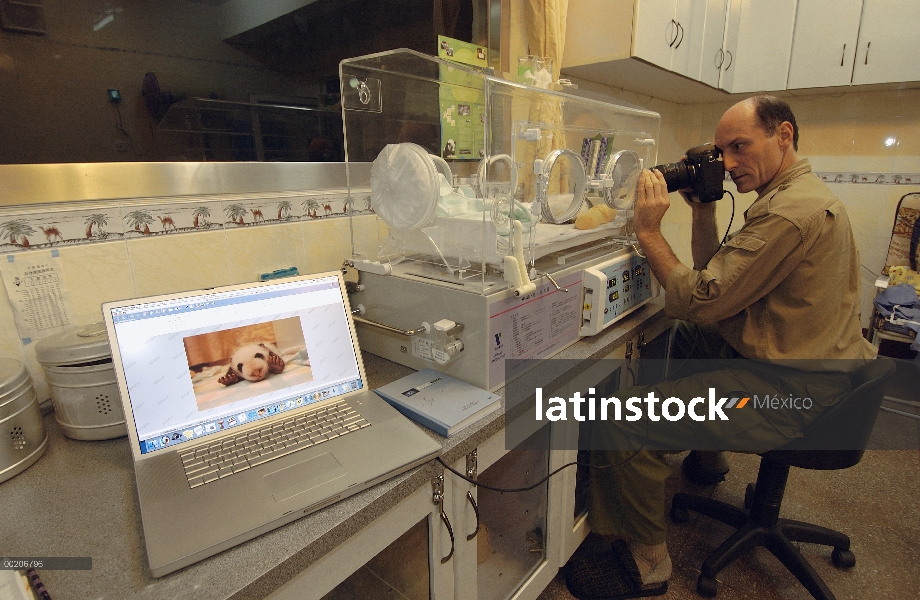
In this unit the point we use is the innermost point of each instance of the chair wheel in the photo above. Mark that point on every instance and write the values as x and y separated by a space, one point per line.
749 496
707 586
679 515
842 559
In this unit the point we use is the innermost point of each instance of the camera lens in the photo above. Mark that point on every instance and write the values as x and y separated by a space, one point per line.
701 174
677 175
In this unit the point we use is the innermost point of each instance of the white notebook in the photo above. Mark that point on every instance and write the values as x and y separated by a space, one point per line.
438 401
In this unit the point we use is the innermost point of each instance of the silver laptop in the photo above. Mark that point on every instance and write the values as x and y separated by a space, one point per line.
247 408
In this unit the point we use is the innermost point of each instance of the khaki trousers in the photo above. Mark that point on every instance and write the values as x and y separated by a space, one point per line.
628 500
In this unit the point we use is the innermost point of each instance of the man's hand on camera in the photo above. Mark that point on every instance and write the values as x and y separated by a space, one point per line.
652 202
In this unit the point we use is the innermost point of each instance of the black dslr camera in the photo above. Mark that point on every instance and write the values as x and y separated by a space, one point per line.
701 172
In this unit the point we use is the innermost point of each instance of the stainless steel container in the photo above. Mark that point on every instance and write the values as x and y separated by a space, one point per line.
23 438
84 391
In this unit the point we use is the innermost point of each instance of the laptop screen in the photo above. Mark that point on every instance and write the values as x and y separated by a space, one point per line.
205 363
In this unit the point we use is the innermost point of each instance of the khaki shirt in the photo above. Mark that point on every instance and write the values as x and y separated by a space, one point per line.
787 286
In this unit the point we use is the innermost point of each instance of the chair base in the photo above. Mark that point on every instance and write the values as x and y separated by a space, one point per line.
778 538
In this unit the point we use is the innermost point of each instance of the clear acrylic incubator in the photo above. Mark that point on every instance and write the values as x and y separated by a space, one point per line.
503 214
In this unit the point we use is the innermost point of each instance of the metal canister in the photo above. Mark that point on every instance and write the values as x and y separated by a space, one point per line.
84 391
23 438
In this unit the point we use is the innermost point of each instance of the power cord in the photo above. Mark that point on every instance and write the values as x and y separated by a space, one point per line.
730 221
724 237
120 126
629 368
542 481
687 355
869 271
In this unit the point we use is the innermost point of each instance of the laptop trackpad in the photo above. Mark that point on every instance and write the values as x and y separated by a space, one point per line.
303 476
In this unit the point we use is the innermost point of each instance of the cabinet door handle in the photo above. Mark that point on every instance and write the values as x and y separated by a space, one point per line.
866 62
729 59
450 530
437 496
844 53
680 28
469 496
720 55
674 39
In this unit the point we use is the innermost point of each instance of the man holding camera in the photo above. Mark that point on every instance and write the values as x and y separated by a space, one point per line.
786 286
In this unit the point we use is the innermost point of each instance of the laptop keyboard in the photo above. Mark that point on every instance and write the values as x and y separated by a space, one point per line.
209 462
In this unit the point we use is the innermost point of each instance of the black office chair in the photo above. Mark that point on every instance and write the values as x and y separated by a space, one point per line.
851 419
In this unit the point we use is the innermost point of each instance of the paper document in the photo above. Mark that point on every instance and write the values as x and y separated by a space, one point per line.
38 293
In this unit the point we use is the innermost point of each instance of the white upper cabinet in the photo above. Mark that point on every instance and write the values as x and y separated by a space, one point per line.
690 17
824 43
889 42
838 42
656 31
713 54
743 46
745 52
758 45
669 33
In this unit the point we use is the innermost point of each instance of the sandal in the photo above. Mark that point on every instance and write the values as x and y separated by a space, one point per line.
611 575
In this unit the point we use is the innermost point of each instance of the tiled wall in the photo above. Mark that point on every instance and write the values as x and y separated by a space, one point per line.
126 264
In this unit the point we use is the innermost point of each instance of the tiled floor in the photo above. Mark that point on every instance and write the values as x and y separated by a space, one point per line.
874 502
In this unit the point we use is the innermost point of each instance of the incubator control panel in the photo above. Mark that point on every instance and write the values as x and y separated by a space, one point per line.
613 289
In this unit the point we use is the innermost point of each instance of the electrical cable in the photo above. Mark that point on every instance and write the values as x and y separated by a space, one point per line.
696 330
542 481
869 271
121 127
724 237
687 356
730 221
633 374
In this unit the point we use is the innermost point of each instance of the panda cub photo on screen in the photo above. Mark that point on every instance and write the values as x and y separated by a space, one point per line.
253 362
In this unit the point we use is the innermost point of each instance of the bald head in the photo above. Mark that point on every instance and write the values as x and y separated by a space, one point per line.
755 150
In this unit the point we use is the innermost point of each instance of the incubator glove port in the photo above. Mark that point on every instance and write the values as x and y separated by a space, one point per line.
623 168
561 208
405 186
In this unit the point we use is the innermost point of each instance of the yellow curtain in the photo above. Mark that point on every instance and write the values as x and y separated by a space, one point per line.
545 22
545 26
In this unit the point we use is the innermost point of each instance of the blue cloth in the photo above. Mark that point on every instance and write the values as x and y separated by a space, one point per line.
902 300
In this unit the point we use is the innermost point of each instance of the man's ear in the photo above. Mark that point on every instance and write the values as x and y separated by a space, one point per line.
785 134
